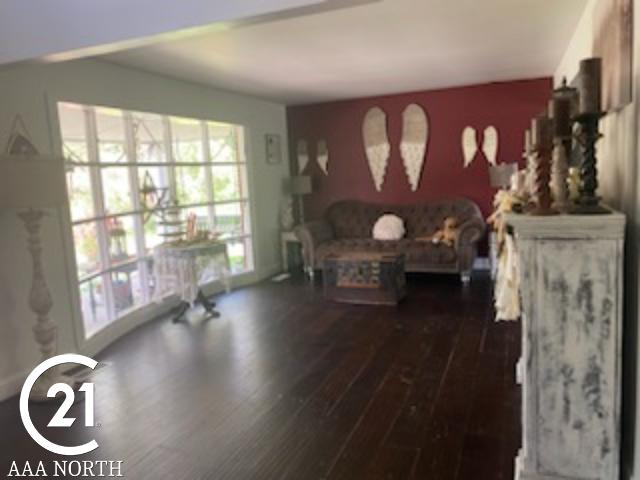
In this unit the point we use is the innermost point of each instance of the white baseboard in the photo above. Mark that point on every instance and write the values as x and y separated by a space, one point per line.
11 386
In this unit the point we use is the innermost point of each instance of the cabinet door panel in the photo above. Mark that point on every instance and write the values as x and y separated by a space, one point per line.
575 357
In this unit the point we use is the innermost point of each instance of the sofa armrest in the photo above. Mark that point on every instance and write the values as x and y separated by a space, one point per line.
312 234
470 232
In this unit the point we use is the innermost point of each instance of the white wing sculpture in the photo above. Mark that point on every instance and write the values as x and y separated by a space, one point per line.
469 145
415 134
376 144
322 156
490 144
303 155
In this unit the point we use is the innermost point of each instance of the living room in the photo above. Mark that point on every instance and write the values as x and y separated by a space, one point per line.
319 239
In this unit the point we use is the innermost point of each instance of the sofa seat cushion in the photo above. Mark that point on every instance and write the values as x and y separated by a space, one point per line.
416 251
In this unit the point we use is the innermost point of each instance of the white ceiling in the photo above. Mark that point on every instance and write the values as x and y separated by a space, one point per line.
375 48
67 29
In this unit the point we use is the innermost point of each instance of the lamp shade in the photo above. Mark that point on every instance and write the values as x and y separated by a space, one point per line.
31 181
301 185
500 175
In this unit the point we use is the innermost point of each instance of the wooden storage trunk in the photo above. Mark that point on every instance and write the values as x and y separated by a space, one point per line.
370 278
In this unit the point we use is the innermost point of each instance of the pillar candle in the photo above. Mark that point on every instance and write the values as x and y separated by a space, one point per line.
589 85
542 132
570 93
560 112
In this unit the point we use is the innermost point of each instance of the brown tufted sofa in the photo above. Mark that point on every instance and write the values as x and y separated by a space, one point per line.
348 225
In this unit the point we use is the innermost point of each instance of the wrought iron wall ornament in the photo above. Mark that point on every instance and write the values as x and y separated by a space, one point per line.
19 142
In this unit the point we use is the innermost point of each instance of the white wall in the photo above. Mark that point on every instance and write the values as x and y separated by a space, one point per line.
32 91
618 175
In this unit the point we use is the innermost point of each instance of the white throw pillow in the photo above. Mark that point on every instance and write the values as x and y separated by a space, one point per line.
388 227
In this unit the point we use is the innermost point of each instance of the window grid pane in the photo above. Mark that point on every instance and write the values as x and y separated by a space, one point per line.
148 135
116 191
124 153
80 192
110 135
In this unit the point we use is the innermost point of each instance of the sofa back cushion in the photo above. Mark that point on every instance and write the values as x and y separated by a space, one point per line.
355 219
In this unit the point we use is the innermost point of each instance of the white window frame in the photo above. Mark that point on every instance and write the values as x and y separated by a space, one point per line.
141 258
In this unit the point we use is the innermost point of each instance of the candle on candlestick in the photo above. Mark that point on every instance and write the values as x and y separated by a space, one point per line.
589 86
542 132
569 93
560 112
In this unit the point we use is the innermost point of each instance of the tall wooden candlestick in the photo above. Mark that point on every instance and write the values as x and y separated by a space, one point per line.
541 128
588 202
567 94
559 175
588 117
530 168
560 112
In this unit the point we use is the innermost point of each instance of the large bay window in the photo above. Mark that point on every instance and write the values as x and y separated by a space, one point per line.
113 157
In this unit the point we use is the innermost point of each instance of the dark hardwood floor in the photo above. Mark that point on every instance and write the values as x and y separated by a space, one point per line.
285 385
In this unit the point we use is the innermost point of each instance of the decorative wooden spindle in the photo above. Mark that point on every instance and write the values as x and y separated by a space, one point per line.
589 114
588 202
560 112
541 128
559 175
531 165
567 94
40 302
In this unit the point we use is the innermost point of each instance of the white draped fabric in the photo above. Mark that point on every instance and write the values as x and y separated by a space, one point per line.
182 269
507 299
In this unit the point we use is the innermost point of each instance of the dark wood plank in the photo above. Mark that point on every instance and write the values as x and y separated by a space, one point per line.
286 385
441 442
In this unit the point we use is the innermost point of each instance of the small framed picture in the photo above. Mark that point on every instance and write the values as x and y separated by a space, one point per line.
274 151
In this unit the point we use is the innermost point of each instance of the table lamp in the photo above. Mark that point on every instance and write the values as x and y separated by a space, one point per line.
31 184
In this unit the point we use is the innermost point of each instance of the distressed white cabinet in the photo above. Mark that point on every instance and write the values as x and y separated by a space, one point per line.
571 289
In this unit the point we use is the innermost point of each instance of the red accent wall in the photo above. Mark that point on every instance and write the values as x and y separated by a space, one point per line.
509 106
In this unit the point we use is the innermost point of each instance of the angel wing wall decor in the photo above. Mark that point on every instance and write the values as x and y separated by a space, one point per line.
376 144
415 134
490 144
469 145
303 155
322 156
